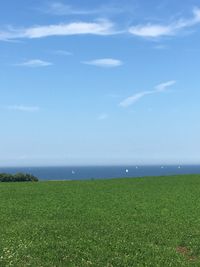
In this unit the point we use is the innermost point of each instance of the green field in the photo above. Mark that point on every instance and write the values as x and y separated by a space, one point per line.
118 222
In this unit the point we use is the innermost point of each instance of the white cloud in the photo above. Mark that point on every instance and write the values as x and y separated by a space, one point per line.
101 27
136 97
98 27
104 62
34 63
102 116
163 86
23 108
150 30
158 30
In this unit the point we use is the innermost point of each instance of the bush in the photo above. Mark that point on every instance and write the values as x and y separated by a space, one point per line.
18 177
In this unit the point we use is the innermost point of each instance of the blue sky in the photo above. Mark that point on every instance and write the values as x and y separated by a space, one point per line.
99 82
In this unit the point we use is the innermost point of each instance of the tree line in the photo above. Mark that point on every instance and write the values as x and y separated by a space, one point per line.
18 177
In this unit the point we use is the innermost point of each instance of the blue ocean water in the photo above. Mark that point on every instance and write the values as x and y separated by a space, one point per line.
102 172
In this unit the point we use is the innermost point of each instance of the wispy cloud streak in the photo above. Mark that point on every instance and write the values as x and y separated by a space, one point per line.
34 63
164 86
23 108
101 27
104 62
61 9
136 97
158 30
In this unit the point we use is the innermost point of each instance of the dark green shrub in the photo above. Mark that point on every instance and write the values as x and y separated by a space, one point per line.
18 177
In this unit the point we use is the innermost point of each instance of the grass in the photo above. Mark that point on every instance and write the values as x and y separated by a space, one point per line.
119 222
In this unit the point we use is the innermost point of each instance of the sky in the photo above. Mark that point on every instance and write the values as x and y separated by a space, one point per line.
99 82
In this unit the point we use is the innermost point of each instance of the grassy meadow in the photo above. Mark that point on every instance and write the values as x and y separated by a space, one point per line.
119 222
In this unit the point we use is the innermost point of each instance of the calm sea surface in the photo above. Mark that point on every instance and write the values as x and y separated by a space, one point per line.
103 172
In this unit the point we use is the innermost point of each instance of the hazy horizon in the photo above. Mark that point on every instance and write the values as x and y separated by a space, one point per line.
164 164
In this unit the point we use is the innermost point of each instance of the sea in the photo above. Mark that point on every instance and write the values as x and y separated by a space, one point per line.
101 172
